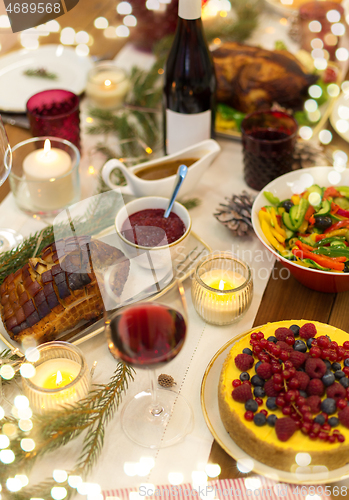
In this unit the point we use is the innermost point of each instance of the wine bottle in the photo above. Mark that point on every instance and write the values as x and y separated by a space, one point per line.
190 83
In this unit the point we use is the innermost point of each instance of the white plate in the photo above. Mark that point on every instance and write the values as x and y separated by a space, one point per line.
338 115
209 405
16 87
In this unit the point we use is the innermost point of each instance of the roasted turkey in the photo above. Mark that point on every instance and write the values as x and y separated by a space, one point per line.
52 293
250 78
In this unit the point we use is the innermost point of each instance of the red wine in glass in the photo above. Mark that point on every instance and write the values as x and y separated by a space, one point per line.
147 335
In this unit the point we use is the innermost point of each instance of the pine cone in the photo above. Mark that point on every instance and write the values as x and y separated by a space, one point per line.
166 380
236 214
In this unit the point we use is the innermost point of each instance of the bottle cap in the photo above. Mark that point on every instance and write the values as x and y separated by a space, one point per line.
189 9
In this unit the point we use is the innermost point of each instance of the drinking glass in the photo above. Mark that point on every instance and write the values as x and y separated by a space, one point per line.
147 335
8 237
268 139
55 113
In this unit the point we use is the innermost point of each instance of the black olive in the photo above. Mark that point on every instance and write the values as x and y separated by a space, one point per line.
323 222
287 204
346 267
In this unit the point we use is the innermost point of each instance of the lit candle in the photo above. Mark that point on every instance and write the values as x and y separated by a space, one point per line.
222 289
107 86
61 377
220 308
56 374
49 169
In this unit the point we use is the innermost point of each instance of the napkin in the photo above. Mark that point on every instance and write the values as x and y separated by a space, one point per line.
249 488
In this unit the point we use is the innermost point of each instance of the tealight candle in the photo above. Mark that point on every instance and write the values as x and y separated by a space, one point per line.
107 85
61 377
55 374
222 289
49 167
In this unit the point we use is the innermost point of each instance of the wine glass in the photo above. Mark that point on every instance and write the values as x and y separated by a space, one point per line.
8 237
147 335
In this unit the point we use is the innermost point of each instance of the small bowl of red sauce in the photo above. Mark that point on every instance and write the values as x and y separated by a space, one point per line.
147 235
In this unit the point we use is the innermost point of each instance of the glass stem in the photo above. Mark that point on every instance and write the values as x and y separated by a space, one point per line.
156 409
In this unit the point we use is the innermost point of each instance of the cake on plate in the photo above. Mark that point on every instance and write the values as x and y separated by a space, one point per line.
284 391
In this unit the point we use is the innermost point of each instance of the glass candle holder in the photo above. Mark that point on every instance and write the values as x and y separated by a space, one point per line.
61 378
268 139
222 289
45 175
55 113
107 85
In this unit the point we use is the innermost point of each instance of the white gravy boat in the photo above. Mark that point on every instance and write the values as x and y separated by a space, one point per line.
205 151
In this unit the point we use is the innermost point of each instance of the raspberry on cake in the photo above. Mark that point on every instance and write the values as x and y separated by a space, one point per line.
302 404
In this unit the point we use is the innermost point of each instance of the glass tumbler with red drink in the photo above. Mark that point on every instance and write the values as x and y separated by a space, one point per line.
55 113
269 139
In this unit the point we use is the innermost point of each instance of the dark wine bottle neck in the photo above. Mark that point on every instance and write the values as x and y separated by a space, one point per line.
192 28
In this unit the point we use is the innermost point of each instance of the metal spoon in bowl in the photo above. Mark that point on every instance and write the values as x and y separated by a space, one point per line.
181 173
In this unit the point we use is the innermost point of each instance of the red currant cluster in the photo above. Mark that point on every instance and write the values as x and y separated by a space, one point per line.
324 348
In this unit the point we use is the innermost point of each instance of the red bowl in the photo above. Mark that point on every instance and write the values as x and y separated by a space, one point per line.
284 187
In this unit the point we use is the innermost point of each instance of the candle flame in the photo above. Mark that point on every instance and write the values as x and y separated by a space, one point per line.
59 378
107 83
47 146
221 285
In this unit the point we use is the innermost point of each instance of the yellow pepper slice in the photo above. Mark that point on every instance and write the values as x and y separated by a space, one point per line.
277 235
276 224
337 232
303 227
270 237
295 199
262 215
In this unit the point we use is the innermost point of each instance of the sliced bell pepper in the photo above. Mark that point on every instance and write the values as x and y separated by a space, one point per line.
304 246
295 199
310 211
337 225
335 253
337 232
344 191
342 212
270 237
277 235
325 241
319 259
334 208
331 192
303 226
274 200
276 223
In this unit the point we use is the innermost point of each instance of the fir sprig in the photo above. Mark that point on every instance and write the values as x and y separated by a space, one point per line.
99 216
40 73
57 428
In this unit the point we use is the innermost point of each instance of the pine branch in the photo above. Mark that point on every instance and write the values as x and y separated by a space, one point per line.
191 203
57 428
95 219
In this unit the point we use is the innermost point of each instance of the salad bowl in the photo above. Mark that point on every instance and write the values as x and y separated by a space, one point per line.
283 188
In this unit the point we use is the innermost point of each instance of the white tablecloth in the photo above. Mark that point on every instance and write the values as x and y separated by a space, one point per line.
121 458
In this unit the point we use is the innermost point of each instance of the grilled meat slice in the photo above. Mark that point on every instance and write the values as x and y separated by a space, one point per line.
52 293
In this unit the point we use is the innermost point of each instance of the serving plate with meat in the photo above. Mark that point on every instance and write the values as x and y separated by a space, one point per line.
61 294
54 292
252 79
